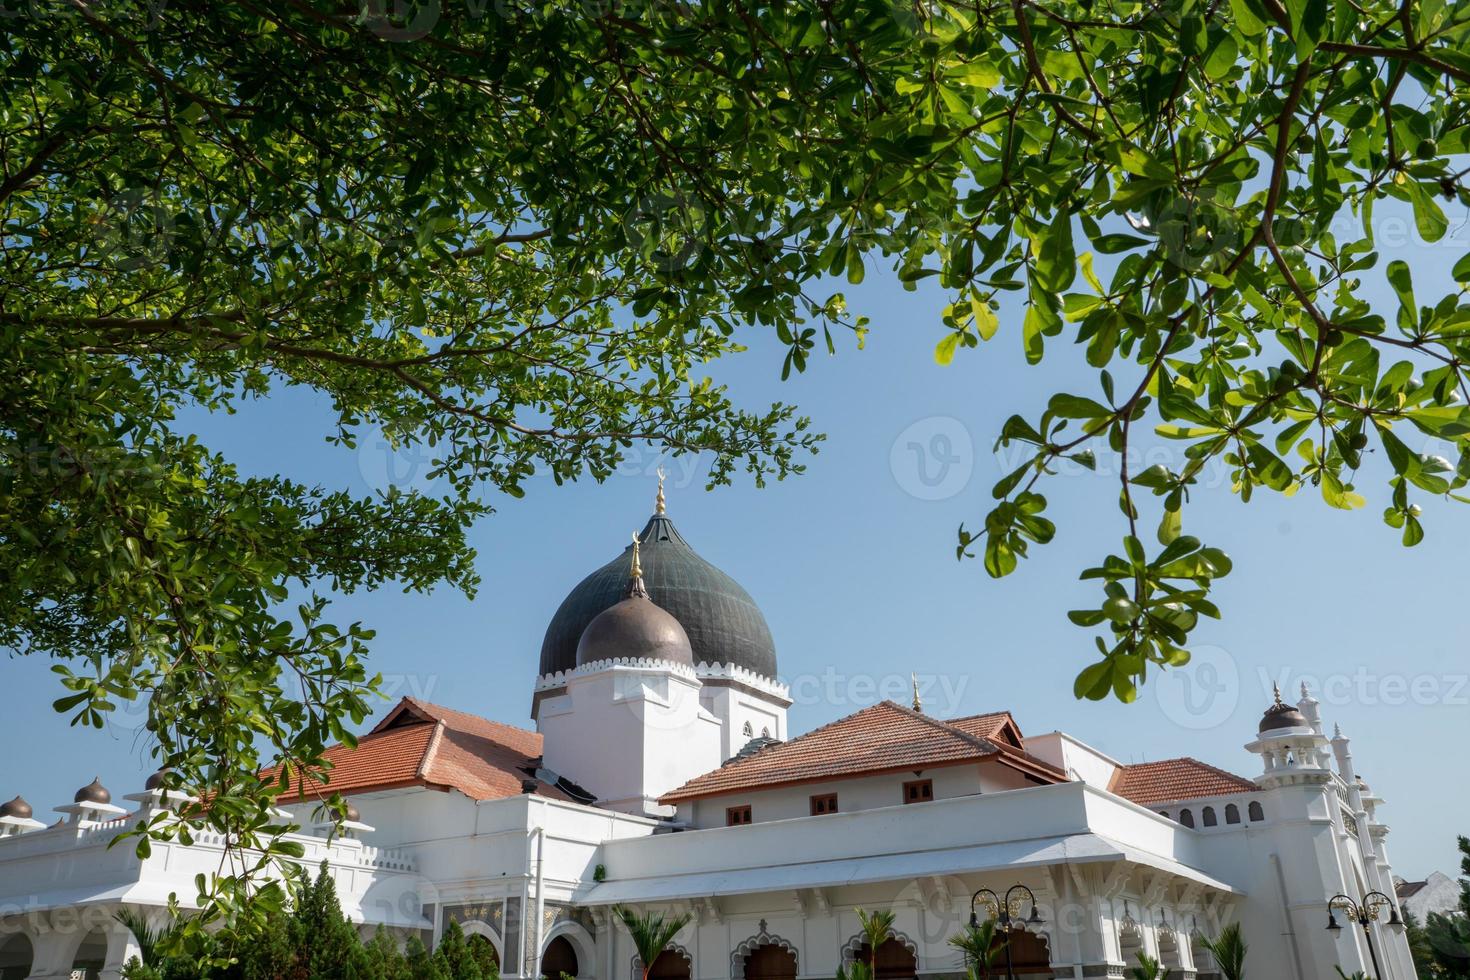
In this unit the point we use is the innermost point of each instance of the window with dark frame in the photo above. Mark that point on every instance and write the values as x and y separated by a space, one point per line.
918 791
737 816
824 804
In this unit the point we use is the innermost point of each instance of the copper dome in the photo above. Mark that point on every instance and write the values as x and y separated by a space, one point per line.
353 814
17 808
155 781
1281 716
94 792
634 628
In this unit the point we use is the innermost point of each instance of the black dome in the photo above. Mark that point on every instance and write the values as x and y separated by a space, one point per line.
722 621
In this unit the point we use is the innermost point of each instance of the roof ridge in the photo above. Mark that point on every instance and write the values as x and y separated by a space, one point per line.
976 740
982 714
431 706
430 750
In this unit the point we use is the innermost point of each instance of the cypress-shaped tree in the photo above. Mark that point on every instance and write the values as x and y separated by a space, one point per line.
329 947
482 951
421 965
453 956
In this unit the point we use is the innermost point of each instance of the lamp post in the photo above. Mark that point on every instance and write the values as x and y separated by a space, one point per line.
1005 916
1364 913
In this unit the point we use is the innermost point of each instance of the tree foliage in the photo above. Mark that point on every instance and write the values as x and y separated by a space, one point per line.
315 940
518 234
1228 950
982 946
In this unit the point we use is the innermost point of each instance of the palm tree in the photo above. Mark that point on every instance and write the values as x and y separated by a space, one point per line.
1148 968
980 946
876 928
651 932
150 940
1229 951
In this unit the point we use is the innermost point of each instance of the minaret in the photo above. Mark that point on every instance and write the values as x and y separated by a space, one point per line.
1299 833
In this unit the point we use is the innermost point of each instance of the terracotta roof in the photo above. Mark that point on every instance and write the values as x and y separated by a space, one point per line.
1408 889
996 726
1149 783
886 737
423 744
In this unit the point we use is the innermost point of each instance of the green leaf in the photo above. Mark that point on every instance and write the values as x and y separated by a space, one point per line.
1428 217
1095 682
944 352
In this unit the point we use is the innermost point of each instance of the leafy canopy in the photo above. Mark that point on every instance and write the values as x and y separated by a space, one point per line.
518 234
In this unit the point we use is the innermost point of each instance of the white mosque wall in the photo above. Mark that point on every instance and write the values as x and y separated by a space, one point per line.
1077 759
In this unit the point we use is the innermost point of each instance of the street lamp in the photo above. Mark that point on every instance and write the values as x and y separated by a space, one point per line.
1364 913
1005 915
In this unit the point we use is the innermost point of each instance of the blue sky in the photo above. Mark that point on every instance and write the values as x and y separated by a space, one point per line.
853 565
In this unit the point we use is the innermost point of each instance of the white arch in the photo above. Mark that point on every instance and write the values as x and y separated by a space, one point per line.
582 944
762 938
855 943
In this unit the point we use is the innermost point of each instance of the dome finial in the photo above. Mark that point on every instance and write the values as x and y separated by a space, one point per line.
659 501
918 705
1276 688
635 574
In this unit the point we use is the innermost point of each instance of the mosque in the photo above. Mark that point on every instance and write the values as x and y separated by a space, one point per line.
660 775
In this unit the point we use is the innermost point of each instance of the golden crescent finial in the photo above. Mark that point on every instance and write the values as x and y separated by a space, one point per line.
637 565
659 509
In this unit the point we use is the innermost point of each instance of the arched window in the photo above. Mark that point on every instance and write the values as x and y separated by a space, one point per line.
1209 815
1186 817
559 958
748 730
1232 813
1164 814
895 960
1030 954
765 733
670 965
1255 811
770 962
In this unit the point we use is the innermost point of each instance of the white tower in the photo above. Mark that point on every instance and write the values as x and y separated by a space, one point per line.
627 724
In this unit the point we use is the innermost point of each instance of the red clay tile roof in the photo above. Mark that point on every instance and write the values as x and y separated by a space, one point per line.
1149 783
884 738
423 744
995 726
